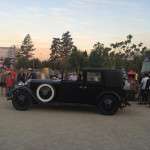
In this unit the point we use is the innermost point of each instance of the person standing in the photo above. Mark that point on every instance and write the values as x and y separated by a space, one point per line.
10 80
143 85
21 77
13 76
9 84
148 89
2 82
31 74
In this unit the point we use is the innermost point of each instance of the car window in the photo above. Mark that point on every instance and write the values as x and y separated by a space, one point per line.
94 76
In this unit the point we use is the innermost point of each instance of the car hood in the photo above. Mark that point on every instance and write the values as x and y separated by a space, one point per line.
48 81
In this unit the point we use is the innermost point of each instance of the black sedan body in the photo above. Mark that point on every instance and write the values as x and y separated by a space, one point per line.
100 87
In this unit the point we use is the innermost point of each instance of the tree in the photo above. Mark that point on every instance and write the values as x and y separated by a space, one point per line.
66 49
7 62
78 60
124 54
99 56
45 63
22 62
85 59
127 54
35 63
66 45
55 55
60 52
25 52
27 47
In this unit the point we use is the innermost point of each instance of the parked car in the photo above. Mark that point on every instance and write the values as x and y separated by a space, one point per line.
100 87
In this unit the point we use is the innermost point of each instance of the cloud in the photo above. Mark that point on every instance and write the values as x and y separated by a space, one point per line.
4 14
91 3
88 20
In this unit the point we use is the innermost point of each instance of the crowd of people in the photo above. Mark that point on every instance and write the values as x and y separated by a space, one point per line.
138 88
9 77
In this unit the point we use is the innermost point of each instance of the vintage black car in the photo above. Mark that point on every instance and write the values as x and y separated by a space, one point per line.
100 87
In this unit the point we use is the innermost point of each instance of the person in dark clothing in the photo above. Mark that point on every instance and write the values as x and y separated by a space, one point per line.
148 90
143 88
31 74
2 82
79 77
21 77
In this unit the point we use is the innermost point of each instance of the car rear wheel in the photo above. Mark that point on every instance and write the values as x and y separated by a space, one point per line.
21 100
108 105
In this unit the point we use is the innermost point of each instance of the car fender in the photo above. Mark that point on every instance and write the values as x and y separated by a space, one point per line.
26 89
108 93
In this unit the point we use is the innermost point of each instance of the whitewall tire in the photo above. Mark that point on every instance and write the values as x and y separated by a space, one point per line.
47 95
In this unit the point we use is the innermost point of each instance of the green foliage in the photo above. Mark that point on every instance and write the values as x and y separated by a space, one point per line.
35 63
65 56
60 51
7 62
45 63
127 54
124 54
99 56
55 56
66 44
25 53
27 47
22 62
77 60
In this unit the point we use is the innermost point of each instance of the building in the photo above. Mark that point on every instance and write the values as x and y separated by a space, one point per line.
4 52
7 52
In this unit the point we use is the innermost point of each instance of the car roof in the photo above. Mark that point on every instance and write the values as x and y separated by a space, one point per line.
111 77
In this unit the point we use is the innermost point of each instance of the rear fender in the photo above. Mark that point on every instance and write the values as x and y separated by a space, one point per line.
109 93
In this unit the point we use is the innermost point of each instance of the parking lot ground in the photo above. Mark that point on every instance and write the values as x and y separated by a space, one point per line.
67 127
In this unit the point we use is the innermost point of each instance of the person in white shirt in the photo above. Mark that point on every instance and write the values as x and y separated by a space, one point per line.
144 82
143 88
73 77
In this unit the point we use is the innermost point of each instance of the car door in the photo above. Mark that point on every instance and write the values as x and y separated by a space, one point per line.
71 91
94 86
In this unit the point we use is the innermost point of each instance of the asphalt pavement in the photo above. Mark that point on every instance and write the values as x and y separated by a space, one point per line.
68 127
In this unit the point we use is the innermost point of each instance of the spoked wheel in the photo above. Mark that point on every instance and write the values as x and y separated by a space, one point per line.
21 100
108 105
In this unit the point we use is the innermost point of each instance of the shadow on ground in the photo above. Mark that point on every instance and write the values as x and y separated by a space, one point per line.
65 108
77 108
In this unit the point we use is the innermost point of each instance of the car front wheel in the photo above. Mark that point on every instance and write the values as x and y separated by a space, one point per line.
108 105
21 100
